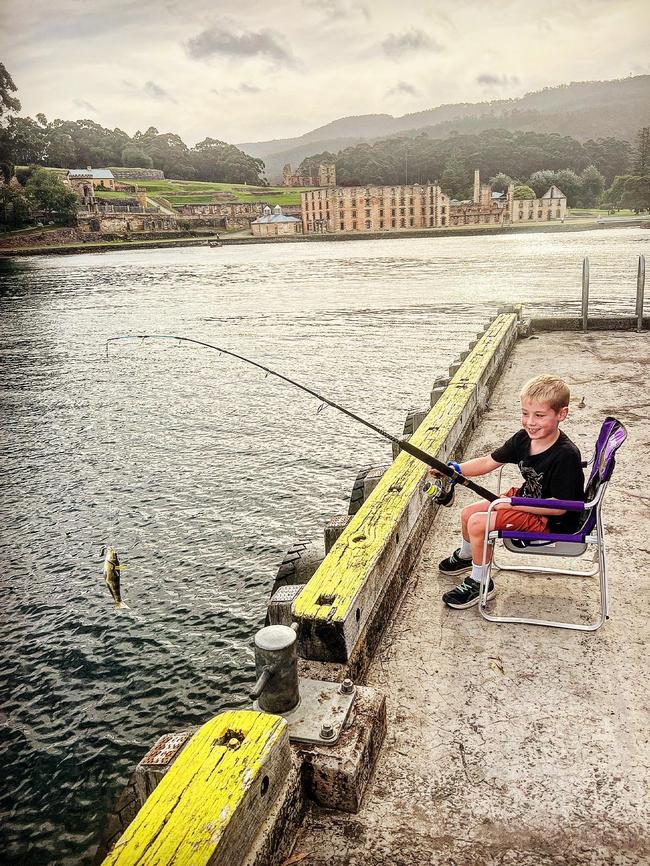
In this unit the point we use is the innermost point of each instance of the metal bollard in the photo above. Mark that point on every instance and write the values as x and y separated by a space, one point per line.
276 666
640 286
585 293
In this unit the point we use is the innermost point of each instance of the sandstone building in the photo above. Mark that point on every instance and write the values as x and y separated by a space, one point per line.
374 208
420 206
326 176
551 206
100 178
276 223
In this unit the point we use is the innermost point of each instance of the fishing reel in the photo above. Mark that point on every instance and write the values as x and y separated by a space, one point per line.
442 490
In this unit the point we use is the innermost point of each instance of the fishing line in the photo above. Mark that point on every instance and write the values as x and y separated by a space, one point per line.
413 450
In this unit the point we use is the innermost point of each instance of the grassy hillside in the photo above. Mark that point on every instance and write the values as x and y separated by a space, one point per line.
178 192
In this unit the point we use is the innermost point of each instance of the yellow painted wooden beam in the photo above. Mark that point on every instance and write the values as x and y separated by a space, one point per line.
330 596
230 765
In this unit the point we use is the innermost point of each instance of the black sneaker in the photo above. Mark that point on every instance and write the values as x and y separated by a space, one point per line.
466 594
454 564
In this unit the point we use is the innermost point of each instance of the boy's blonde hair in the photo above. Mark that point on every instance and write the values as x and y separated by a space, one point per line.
547 389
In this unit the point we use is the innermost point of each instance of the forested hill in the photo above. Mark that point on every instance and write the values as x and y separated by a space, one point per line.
583 110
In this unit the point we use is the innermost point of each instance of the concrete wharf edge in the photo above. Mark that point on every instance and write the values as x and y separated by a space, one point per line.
343 608
519 745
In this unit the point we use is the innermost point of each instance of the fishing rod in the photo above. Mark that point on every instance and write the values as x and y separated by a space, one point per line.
413 450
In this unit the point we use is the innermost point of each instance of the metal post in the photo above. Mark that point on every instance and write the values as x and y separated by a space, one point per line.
276 665
640 285
585 293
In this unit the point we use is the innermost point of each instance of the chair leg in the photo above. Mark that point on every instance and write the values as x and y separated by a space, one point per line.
600 569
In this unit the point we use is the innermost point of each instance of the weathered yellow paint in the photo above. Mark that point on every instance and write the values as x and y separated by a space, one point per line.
183 820
338 579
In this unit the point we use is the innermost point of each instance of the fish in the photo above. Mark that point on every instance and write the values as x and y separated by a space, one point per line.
112 570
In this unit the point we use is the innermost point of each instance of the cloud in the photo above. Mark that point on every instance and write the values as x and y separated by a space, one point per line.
496 80
244 87
225 42
87 106
396 46
154 91
403 87
338 8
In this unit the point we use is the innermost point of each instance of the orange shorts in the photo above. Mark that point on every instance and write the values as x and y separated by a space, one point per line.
511 518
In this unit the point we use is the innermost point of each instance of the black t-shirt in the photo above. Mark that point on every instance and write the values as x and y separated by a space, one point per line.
554 474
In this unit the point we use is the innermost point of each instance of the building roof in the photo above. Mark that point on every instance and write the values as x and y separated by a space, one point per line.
95 173
276 217
553 192
497 195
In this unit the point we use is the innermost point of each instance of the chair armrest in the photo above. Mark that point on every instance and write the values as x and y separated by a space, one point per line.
566 504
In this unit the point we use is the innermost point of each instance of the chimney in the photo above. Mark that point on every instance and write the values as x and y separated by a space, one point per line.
477 187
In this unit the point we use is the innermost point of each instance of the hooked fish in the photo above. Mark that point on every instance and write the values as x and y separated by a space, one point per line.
112 570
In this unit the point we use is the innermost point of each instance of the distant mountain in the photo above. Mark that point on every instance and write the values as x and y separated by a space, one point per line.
584 109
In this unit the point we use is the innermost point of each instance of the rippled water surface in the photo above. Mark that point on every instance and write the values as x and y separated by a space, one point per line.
201 472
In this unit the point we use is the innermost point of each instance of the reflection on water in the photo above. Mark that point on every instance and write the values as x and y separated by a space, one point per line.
201 472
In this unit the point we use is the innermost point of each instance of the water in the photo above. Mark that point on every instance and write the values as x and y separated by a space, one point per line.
201 472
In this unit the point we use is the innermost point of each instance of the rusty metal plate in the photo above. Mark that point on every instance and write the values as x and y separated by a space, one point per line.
165 749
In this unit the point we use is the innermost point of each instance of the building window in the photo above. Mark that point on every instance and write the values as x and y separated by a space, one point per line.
411 211
411 200
354 202
381 224
354 224
392 224
367 224
354 213
443 221
367 212
367 202
401 211
411 221
381 212
341 215
392 213
443 209
530 215
392 201
342 225
402 222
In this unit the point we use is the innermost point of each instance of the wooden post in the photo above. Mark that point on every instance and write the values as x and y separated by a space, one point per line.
640 286
585 293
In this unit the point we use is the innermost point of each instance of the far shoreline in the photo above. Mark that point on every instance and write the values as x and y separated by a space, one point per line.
100 247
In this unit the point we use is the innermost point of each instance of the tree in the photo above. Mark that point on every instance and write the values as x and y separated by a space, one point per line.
134 157
500 182
569 182
540 181
592 184
636 194
614 195
14 207
7 87
524 191
47 192
455 178
642 152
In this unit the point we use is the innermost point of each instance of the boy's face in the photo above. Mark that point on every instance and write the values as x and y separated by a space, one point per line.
540 420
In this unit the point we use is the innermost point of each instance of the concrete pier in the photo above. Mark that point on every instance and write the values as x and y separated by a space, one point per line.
509 744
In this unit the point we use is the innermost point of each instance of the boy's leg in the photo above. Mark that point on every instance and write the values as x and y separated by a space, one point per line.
460 561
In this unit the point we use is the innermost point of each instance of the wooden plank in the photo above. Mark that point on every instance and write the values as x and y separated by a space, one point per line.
211 804
335 605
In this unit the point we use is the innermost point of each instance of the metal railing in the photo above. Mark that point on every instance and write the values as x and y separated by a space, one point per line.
640 289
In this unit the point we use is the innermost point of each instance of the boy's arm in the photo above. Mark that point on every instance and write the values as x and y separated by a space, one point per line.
479 466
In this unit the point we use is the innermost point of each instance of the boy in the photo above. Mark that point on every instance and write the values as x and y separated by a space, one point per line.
552 469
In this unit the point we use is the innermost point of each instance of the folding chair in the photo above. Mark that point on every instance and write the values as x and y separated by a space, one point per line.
590 534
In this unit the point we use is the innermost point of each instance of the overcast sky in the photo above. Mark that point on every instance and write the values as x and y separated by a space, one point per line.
261 69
